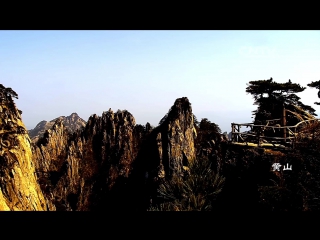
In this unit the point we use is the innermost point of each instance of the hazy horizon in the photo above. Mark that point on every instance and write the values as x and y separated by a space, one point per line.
56 73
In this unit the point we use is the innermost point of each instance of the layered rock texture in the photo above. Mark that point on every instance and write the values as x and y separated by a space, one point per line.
19 189
72 122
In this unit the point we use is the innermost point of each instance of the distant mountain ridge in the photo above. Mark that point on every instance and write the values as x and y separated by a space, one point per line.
72 123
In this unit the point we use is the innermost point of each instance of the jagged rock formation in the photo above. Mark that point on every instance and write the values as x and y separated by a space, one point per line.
72 122
79 170
101 166
19 189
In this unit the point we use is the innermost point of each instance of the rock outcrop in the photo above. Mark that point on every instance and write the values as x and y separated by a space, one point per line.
72 123
167 151
19 189
175 139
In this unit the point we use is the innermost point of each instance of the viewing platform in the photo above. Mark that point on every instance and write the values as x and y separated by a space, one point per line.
272 135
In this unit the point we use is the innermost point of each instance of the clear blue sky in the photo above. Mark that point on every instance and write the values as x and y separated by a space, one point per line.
56 73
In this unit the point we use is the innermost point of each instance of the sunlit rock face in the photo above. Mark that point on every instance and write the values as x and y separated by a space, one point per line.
176 136
72 123
171 144
19 189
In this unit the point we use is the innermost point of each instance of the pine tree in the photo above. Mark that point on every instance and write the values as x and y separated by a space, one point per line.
206 125
271 97
197 191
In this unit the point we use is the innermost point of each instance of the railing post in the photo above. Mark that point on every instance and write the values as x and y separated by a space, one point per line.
232 132
238 133
284 124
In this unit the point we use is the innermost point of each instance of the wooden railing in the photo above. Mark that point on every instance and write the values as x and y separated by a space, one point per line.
257 135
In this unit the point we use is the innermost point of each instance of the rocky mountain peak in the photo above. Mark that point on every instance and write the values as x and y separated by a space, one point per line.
167 151
72 123
177 135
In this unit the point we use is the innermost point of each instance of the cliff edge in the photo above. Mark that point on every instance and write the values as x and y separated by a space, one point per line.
19 190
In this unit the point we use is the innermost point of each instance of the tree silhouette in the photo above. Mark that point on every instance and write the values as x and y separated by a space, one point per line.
316 85
206 125
206 132
11 93
195 121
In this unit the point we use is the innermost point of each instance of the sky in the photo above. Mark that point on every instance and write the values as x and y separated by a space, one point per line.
56 73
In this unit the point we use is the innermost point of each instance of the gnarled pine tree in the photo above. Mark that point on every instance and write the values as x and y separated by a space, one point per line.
271 97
